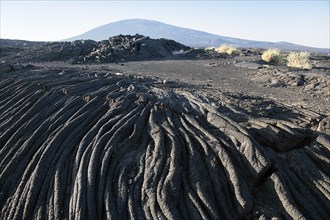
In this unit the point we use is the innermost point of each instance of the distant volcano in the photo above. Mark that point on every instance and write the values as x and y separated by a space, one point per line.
189 37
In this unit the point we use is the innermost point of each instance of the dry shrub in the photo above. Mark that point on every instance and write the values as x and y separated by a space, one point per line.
272 55
299 60
228 49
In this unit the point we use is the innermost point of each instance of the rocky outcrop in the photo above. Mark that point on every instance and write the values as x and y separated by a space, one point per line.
115 49
78 145
316 80
130 48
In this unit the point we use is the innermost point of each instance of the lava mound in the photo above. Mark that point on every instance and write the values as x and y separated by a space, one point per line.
115 49
77 145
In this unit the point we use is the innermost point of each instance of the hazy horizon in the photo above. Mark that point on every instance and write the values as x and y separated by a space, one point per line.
300 22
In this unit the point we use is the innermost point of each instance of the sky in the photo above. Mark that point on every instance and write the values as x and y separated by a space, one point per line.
301 22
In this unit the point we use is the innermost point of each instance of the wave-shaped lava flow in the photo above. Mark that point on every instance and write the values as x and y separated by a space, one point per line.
77 146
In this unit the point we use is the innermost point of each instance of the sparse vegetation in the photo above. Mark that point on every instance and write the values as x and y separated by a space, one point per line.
228 49
272 55
299 60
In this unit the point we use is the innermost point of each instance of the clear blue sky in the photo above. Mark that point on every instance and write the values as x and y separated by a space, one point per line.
301 22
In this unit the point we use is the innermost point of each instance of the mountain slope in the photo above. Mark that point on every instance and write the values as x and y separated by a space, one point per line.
153 29
185 36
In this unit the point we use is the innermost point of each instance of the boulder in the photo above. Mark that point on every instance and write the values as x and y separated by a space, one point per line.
324 126
299 81
17 66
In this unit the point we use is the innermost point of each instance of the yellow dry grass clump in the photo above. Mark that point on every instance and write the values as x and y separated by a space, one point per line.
299 60
272 55
228 49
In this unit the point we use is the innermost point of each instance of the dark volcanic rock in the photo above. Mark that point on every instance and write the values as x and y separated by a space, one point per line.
132 48
116 49
5 67
279 135
78 144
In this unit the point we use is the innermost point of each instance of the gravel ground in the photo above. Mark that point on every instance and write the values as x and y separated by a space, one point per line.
214 77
